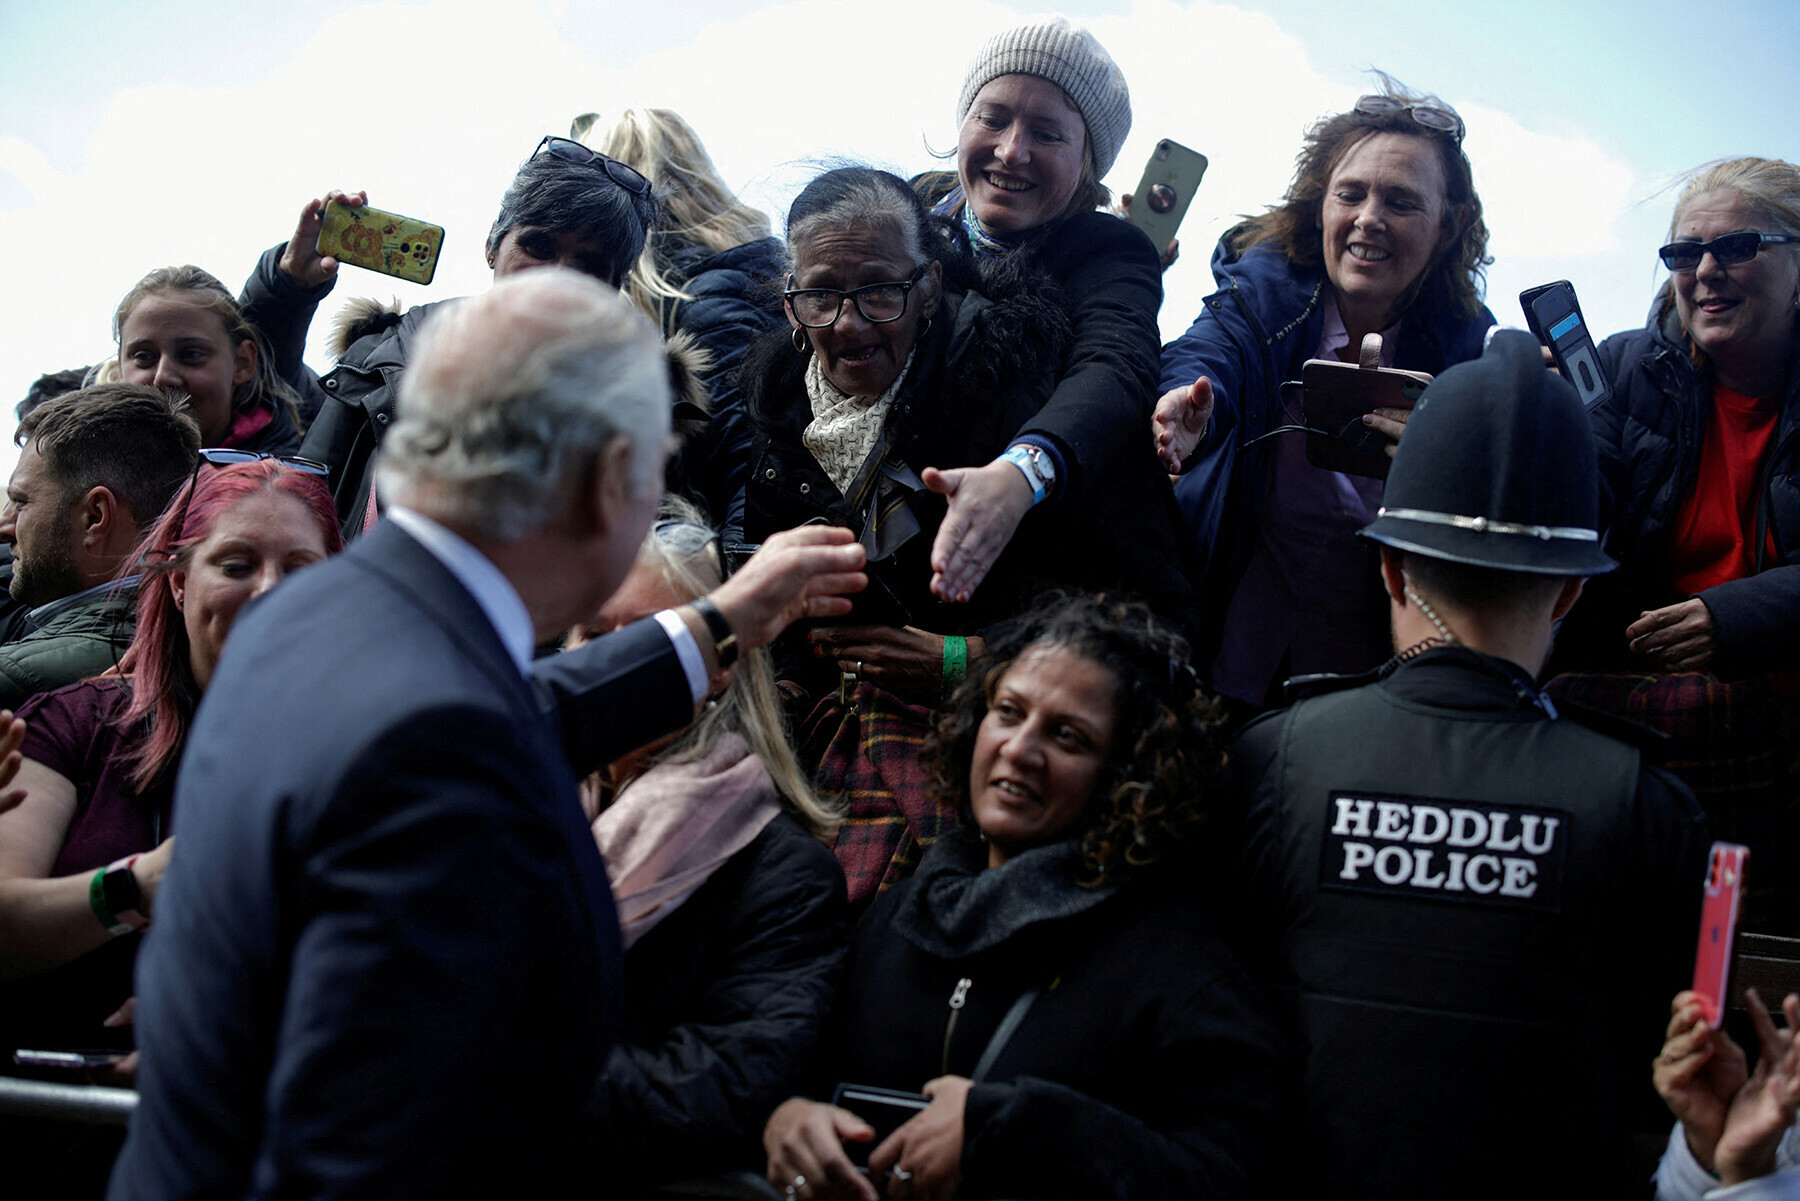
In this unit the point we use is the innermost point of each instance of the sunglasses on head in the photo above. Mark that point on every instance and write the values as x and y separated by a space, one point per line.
1431 116
623 174
225 456
1726 249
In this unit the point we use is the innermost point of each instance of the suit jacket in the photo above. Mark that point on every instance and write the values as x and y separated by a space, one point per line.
385 963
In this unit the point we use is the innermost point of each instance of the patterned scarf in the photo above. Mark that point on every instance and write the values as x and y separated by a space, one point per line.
848 437
984 243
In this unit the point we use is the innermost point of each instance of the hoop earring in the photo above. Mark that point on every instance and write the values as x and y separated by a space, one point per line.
926 328
800 341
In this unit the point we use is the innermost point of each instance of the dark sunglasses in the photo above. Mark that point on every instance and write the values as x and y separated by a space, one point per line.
1726 249
225 456
1443 120
623 174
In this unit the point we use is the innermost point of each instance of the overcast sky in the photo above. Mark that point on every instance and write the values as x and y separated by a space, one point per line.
139 134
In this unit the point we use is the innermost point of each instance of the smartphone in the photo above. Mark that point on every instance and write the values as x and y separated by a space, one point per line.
1554 315
384 242
1171 178
71 1060
1718 927
1334 399
886 1109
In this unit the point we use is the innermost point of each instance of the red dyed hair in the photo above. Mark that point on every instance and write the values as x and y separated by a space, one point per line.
163 689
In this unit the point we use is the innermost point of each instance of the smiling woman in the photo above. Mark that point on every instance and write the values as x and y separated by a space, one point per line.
1044 982
1700 454
1380 233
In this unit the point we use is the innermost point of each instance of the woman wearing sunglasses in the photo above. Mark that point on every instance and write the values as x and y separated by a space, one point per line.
1380 233
1700 478
906 365
82 856
568 206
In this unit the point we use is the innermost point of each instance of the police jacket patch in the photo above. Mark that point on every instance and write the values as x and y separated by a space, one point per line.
1507 855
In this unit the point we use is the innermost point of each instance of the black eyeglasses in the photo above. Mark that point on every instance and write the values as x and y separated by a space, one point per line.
1431 116
623 174
1726 249
224 456
818 308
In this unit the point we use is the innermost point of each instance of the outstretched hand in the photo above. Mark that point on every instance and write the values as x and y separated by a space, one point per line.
803 572
1180 421
301 261
986 506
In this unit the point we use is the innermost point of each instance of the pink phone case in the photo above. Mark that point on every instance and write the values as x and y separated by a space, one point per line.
1718 927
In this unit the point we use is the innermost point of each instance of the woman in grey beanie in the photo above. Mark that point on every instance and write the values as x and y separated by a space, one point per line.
1043 111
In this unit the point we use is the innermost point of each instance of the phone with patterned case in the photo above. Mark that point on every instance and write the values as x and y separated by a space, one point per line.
378 241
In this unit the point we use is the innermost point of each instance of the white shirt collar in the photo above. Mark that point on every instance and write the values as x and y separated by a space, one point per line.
476 572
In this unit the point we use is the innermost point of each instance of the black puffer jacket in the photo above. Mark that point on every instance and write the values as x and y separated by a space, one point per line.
1649 438
725 1005
736 297
982 370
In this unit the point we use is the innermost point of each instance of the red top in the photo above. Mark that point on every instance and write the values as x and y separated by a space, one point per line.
1717 524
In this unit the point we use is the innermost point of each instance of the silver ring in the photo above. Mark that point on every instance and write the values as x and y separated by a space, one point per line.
794 1188
902 1175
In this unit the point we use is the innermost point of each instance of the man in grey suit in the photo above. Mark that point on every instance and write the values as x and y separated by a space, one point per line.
385 960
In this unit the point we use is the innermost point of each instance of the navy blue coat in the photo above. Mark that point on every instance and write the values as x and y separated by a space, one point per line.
1254 333
385 963
1649 437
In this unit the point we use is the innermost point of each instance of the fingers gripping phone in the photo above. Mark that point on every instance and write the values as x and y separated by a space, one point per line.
1334 399
1723 889
1554 315
1171 178
380 241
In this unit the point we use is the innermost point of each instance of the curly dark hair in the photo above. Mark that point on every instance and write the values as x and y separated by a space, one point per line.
1164 763
1454 281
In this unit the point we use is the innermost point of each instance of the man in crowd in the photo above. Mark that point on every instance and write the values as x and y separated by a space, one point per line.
97 469
386 959
1477 909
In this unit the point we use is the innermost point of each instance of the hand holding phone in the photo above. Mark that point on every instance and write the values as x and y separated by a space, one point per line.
301 260
1554 316
1161 200
380 241
1335 397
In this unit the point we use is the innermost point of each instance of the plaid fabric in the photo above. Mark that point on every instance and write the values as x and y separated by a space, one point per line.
868 754
1736 743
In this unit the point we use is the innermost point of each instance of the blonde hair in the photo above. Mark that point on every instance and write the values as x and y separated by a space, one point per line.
683 551
1771 187
698 207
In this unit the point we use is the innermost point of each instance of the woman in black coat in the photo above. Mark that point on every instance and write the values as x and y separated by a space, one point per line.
1073 1022
907 367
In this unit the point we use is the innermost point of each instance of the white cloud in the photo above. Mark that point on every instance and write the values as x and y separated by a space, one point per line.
430 106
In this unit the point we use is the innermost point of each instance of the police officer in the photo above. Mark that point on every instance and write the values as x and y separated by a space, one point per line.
1473 908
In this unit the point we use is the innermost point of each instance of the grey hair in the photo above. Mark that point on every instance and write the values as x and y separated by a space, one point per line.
512 396
860 198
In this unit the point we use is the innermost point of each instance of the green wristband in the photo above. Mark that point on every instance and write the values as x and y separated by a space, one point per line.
956 661
97 902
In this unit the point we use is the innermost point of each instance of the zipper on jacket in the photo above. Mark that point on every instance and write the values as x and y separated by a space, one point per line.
958 997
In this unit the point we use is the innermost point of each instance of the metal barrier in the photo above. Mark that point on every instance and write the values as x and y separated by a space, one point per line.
94 1104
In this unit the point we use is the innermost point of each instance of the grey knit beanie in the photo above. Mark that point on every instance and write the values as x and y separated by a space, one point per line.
1057 49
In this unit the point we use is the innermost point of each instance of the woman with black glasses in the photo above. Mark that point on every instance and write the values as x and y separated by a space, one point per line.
82 856
1380 233
905 363
1700 485
568 206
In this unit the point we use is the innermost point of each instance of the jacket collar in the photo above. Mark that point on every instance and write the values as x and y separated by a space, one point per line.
96 597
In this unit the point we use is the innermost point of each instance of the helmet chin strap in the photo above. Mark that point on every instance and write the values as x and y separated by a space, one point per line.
1444 636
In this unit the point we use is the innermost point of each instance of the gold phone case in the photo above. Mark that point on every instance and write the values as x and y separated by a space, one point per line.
384 242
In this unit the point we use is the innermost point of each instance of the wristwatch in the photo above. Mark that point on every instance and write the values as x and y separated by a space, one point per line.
725 643
1038 468
122 897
